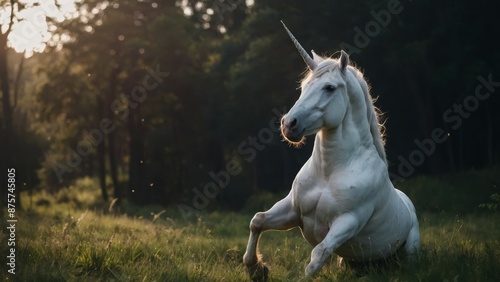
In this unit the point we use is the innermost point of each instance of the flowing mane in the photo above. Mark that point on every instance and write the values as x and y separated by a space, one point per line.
374 115
377 128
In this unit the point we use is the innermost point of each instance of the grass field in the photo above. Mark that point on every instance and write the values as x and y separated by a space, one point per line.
67 237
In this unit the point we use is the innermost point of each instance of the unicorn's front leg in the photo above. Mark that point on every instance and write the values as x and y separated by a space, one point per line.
342 229
282 216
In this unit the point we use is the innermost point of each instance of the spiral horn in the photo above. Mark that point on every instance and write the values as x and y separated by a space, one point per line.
309 61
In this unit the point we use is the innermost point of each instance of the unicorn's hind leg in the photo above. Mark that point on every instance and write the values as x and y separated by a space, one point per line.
282 216
413 241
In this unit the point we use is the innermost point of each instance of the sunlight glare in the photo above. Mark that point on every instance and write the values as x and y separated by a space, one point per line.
188 11
30 29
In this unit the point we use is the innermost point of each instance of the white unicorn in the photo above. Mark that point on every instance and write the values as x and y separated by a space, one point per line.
342 199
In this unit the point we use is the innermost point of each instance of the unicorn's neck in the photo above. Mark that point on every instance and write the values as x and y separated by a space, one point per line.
336 149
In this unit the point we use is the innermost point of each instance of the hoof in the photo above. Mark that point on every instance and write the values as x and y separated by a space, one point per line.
258 272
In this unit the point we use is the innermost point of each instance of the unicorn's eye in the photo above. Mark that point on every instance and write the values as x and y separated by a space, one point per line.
329 88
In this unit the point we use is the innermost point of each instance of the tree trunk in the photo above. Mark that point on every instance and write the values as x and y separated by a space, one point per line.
102 170
489 136
450 151
461 163
136 172
111 136
8 128
101 158
113 166
423 114
217 157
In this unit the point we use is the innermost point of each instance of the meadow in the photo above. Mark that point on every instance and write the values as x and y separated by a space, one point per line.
71 236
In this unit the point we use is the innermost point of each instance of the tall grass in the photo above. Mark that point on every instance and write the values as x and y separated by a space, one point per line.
70 236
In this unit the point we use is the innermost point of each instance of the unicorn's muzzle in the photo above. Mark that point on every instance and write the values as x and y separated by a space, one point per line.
291 130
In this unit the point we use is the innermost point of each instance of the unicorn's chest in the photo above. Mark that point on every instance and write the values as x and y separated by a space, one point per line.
323 199
320 202
328 197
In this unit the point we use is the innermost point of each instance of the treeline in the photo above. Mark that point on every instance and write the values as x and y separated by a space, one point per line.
179 101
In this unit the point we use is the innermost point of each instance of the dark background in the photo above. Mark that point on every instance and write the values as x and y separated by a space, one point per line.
229 65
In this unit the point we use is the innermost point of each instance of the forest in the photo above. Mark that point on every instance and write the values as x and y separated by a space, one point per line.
178 103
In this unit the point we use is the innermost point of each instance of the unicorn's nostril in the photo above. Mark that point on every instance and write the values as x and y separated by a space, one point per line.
293 123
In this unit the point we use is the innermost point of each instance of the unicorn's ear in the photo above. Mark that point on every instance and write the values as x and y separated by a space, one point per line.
344 60
318 59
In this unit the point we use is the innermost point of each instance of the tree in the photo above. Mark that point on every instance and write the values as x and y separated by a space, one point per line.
137 73
21 33
7 128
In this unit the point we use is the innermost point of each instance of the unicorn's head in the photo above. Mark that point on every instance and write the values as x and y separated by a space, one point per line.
322 103
323 100
332 93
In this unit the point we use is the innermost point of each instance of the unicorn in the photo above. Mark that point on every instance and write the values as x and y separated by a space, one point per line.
342 198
